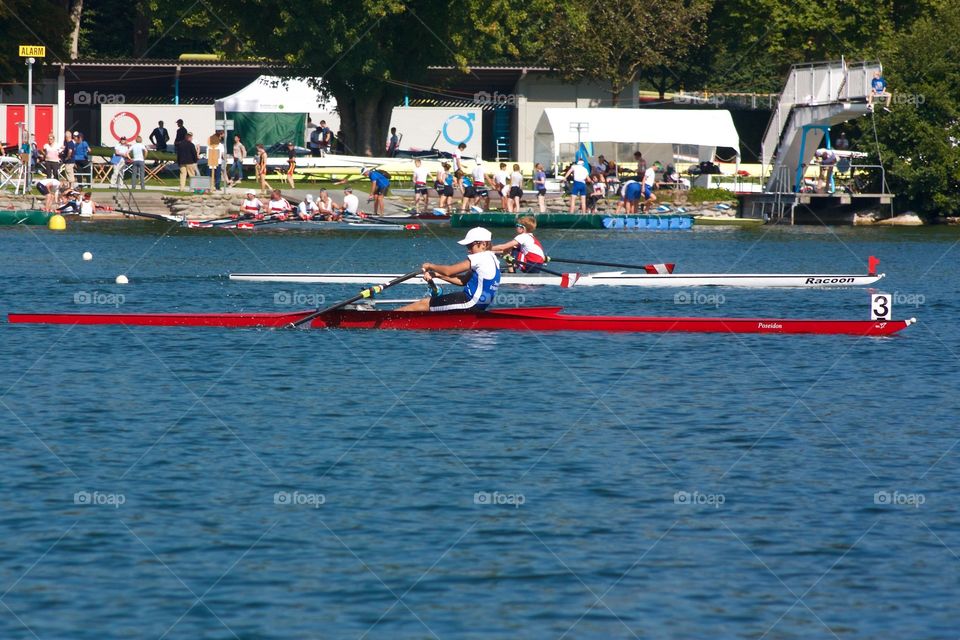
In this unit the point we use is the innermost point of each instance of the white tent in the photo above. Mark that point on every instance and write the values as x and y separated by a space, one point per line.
272 109
660 134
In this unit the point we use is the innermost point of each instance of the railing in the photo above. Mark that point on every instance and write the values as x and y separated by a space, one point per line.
816 83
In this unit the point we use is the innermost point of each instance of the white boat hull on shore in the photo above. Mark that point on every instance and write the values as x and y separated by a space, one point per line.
609 278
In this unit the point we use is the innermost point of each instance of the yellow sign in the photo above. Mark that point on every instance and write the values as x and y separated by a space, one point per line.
32 51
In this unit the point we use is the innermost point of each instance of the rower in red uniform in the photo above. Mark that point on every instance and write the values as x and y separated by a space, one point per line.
251 207
278 207
525 248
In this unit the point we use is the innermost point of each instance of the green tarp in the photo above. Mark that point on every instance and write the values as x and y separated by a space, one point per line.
267 128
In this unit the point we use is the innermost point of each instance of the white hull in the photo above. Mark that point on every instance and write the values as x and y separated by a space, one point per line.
610 278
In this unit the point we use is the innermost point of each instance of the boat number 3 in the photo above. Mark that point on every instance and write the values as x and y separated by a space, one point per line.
880 307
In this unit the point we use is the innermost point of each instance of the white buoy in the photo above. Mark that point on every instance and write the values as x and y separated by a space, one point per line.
122 279
87 255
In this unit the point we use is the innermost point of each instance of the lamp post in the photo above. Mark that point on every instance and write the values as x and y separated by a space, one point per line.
30 62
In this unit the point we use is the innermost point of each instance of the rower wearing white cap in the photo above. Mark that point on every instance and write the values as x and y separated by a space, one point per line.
479 275
307 208
251 207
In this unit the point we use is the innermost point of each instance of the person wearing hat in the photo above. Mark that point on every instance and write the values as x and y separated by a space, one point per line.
578 191
479 275
121 156
251 207
526 250
307 208
649 180
379 183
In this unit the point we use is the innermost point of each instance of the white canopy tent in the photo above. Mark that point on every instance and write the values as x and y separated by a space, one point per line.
273 109
660 134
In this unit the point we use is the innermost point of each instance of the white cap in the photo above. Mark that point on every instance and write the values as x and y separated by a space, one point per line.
309 198
477 234
251 192
580 162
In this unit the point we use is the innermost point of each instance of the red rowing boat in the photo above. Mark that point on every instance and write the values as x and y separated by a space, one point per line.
528 319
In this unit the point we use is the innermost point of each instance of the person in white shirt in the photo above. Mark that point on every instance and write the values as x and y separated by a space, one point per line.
307 208
278 207
121 155
480 180
50 189
51 157
87 205
138 152
351 203
516 189
251 207
326 207
420 189
578 191
649 181
500 184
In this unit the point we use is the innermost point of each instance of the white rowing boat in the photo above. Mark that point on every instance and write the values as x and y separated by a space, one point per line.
608 278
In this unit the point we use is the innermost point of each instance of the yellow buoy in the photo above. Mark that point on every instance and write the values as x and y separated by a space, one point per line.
57 222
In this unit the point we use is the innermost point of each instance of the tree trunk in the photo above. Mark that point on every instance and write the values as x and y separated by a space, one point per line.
76 11
141 28
364 120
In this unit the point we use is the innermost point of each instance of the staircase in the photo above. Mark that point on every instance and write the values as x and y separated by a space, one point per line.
501 132
821 93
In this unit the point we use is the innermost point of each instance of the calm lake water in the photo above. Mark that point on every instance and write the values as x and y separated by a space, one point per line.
206 483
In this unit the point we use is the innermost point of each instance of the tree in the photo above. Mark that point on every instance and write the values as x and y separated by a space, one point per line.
38 22
366 51
640 36
919 141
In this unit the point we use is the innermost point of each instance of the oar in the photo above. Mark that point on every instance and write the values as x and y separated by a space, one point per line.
151 216
567 280
366 293
649 268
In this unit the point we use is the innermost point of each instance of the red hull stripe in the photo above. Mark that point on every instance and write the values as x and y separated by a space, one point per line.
530 319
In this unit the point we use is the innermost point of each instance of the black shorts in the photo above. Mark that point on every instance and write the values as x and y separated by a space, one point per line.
447 191
420 191
482 192
516 192
470 192
42 188
456 301
541 191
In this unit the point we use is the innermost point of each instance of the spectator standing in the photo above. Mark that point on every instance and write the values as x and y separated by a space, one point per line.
187 158
239 153
159 137
214 153
81 153
842 144
326 138
578 188
540 184
181 133
394 144
68 155
314 144
121 155
262 168
51 157
641 164
291 163
138 152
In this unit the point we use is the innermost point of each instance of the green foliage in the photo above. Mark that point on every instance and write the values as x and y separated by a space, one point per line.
35 22
920 138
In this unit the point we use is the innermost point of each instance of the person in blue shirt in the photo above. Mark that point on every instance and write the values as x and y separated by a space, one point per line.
379 183
878 89
81 153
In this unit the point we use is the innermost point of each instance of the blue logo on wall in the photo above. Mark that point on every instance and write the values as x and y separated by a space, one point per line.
467 119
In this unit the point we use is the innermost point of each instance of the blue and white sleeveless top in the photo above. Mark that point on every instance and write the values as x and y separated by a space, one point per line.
485 278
